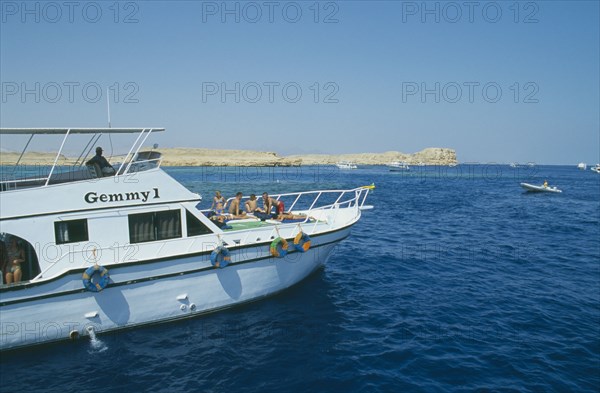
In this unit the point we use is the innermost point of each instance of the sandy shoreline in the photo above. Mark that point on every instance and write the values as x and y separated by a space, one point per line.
211 157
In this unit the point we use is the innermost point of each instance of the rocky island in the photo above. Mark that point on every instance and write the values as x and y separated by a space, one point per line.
212 157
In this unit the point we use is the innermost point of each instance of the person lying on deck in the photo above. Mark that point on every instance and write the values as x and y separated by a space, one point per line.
291 216
235 208
220 222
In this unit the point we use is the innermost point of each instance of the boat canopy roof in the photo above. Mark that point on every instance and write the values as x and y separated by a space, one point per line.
63 131
127 164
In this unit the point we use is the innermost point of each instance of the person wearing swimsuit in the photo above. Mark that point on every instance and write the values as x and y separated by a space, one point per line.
3 261
218 204
16 256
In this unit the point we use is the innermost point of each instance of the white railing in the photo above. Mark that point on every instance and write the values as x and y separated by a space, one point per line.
360 195
123 168
140 165
355 198
132 167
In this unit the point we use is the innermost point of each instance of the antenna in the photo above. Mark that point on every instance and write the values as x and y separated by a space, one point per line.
108 109
108 105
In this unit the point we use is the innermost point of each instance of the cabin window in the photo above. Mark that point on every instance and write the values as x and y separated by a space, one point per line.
148 227
195 227
73 231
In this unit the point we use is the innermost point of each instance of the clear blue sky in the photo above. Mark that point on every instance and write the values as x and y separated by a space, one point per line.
374 58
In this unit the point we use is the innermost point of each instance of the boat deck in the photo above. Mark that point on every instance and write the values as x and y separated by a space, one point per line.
253 223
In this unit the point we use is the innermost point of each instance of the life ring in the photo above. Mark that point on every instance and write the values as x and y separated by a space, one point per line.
302 242
278 251
224 257
90 272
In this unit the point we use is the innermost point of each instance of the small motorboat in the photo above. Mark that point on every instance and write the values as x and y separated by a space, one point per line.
582 166
596 168
542 188
398 166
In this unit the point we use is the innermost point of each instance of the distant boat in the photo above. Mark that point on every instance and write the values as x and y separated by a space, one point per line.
582 166
513 165
542 188
421 163
531 164
397 166
452 164
596 168
346 165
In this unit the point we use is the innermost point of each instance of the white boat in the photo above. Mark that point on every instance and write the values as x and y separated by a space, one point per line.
542 188
346 165
513 165
107 253
582 166
398 166
596 168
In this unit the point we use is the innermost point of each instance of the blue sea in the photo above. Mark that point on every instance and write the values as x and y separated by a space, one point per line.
457 280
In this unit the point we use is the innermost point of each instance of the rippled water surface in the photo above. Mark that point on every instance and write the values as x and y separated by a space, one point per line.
455 281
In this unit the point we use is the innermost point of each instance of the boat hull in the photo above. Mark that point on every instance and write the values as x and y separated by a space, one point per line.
29 317
533 188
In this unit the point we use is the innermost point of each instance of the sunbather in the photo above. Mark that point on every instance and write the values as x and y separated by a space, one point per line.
235 208
218 204
291 216
251 204
220 221
270 203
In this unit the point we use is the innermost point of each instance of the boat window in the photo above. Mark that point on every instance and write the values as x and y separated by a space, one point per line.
195 227
73 231
147 227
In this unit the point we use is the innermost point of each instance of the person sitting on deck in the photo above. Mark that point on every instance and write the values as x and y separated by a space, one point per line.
251 205
16 256
218 204
105 168
3 261
235 209
545 183
270 203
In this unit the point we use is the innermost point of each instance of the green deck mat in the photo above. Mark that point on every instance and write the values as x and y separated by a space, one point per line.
237 226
